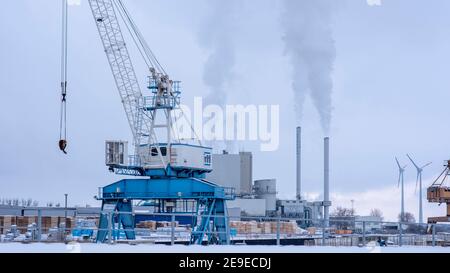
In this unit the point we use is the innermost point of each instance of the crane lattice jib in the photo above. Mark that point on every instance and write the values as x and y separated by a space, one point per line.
121 65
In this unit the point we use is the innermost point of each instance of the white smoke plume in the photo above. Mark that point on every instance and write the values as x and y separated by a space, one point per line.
216 36
311 49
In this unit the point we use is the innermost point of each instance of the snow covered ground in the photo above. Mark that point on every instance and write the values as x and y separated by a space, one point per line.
145 248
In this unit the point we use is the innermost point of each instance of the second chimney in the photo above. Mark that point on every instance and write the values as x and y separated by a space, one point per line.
326 188
299 163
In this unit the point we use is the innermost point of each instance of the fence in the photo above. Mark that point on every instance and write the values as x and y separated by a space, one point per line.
177 228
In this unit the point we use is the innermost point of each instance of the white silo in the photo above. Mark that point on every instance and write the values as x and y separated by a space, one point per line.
267 189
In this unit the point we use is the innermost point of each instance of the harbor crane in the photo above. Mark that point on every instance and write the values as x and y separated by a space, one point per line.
163 172
439 193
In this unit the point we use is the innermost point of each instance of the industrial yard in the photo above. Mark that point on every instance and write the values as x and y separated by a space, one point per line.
170 165
123 248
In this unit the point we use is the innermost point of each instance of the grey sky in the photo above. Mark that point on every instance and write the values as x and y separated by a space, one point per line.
390 97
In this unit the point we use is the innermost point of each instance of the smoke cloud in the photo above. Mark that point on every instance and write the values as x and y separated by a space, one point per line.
216 36
311 49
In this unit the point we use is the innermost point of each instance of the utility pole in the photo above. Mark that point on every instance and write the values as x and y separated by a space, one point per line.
65 206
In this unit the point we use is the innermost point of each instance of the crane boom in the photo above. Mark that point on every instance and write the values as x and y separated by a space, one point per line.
120 62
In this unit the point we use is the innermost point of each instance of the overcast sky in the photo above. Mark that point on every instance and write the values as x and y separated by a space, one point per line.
391 94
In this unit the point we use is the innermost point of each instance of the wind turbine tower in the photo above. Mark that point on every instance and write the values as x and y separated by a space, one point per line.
401 181
419 182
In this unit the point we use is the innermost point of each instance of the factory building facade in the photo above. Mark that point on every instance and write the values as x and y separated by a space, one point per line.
233 171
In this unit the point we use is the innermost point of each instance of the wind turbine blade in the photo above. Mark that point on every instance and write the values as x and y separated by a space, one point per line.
399 179
424 166
398 163
415 165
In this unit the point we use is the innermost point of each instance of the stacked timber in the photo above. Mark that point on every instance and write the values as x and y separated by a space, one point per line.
312 231
253 227
6 223
290 227
274 227
23 222
151 225
343 232
285 227
238 226
266 227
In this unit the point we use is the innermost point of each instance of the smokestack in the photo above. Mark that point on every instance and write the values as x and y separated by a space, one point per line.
326 188
299 163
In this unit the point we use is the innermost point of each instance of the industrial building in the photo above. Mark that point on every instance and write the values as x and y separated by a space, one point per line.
267 190
233 171
236 171
259 198
300 209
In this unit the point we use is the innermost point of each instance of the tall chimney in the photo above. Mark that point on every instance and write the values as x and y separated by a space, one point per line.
299 163
326 188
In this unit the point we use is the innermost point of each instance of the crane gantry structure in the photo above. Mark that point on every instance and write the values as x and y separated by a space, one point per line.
166 172
440 194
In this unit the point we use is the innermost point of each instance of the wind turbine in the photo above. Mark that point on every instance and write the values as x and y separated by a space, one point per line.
401 180
419 181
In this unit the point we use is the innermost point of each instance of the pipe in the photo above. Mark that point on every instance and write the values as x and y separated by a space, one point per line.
326 188
299 163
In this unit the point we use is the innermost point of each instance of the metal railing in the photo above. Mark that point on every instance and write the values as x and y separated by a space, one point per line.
161 101
241 230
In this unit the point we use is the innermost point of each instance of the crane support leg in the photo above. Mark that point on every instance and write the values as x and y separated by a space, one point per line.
126 219
120 213
221 222
205 224
214 224
105 221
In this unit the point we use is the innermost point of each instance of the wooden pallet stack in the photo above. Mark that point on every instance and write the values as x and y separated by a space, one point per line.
273 227
7 222
238 226
23 222
252 228
289 227
312 231
266 227
285 227
151 225
165 224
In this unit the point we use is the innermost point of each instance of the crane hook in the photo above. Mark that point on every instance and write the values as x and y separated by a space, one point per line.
63 122
63 145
